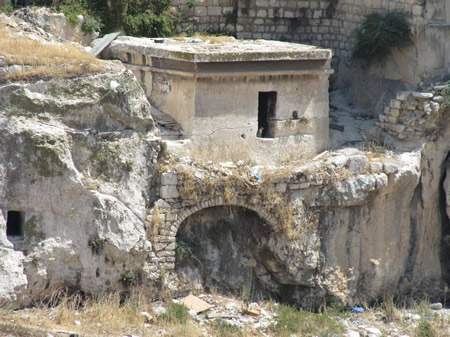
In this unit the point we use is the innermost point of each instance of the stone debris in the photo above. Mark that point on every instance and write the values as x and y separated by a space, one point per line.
148 317
235 312
436 306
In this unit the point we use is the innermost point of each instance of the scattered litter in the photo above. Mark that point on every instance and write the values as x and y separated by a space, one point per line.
357 309
195 41
114 85
251 311
199 180
320 155
195 303
256 175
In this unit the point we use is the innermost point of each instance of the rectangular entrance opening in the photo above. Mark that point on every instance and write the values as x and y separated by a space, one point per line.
14 224
267 102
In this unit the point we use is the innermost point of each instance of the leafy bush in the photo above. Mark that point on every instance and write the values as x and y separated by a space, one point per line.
304 323
91 25
378 33
72 9
424 329
154 20
176 313
7 9
150 18
224 329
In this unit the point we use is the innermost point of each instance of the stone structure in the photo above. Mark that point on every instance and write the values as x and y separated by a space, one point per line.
245 94
414 115
330 24
326 23
91 201
330 267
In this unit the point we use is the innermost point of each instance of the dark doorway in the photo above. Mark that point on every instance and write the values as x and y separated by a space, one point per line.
267 102
14 224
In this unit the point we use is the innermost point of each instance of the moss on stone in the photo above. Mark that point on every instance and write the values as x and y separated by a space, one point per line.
31 230
106 158
44 154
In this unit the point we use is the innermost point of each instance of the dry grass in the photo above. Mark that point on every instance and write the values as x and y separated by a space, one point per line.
105 315
45 60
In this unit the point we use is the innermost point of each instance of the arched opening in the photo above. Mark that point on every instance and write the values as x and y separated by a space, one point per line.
220 248
232 250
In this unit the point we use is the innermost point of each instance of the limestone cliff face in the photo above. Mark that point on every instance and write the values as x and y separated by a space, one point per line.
77 163
78 174
372 232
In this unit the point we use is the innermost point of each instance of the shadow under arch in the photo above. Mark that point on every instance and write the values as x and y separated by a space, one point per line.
225 248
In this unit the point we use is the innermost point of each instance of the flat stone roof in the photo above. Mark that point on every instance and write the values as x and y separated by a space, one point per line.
218 49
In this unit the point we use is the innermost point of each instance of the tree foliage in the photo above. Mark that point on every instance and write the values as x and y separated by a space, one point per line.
149 18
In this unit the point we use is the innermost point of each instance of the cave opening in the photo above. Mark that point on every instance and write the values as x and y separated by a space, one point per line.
221 248
231 250
444 197
14 225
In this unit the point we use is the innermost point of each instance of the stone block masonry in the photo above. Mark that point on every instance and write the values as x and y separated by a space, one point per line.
413 115
325 23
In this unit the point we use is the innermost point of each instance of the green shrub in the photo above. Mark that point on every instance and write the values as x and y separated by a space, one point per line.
424 329
150 24
91 24
176 313
150 18
304 323
7 9
378 33
127 279
185 250
72 9
221 328
191 3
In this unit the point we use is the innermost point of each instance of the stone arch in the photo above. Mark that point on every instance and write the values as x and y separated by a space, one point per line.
165 247
262 213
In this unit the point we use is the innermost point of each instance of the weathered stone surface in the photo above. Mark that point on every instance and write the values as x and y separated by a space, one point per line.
169 178
357 164
169 192
57 25
75 165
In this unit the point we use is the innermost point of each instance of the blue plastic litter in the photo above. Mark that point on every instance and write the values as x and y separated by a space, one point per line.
199 180
357 309
256 175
